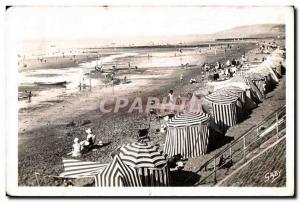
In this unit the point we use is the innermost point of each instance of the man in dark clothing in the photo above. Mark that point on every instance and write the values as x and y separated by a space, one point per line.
29 96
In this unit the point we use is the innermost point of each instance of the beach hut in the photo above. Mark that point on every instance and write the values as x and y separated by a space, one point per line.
224 109
149 162
188 135
235 91
118 174
258 79
268 67
242 80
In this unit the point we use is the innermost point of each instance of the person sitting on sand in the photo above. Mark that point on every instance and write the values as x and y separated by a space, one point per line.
233 62
192 80
90 139
76 148
228 63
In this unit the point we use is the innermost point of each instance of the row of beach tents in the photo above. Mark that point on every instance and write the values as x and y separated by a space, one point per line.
188 134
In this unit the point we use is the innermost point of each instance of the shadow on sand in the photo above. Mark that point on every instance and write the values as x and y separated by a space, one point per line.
178 178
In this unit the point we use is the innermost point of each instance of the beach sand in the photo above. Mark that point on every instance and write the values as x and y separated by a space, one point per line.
45 138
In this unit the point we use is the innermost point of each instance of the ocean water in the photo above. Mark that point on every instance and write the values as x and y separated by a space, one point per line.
122 58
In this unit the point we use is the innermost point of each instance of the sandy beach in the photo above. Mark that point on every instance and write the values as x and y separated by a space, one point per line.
47 123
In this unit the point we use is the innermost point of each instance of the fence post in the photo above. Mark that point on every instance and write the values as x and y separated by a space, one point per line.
215 171
277 129
230 152
244 148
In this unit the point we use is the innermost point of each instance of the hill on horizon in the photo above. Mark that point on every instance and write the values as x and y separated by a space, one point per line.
247 31
255 31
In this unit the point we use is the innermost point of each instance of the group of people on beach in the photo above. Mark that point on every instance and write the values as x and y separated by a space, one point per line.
84 145
266 47
227 69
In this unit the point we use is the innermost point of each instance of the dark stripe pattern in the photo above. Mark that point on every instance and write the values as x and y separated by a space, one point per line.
118 174
224 108
139 155
244 79
258 79
188 119
149 162
189 140
78 169
235 91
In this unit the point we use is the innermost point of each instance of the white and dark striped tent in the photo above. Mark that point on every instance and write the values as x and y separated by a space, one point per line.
188 135
118 174
260 82
224 108
149 162
246 80
235 91
80 169
258 79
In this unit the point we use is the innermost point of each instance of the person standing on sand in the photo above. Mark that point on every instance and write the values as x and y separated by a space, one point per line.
171 97
181 78
29 96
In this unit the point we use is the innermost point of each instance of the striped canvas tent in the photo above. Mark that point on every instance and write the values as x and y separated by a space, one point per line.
118 174
224 109
235 91
246 80
149 162
188 135
260 82
79 169
258 79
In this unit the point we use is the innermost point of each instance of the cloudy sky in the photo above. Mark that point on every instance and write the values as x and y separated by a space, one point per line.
84 23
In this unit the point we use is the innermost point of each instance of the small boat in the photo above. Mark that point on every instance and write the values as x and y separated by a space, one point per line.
60 83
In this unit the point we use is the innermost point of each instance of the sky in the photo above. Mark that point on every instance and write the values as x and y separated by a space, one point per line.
125 23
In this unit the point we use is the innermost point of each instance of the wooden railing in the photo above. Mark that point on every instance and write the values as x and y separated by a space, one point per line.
238 149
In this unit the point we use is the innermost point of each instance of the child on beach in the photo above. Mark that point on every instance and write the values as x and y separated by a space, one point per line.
76 152
90 139
171 97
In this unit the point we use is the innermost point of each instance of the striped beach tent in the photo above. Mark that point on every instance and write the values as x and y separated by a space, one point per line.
188 135
224 107
258 79
149 162
235 91
78 169
246 80
118 174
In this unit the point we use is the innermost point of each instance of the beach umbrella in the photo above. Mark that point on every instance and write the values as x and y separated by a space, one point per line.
187 134
118 174
149 162
224 108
